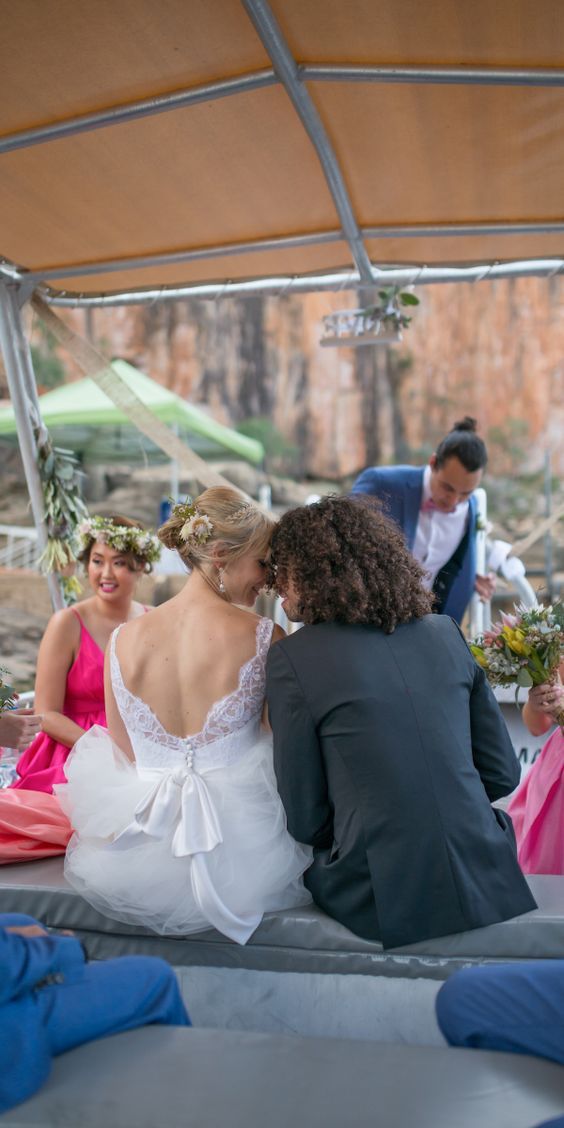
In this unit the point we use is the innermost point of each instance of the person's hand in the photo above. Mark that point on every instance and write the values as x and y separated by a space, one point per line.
27 930
18 727
485 586
548 699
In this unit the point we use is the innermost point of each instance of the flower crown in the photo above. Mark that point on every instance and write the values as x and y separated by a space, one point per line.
196 526
123 538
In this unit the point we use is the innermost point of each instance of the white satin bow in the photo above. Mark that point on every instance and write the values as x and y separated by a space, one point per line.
180 798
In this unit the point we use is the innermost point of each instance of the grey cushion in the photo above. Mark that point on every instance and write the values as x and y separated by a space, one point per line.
297 940
170 1078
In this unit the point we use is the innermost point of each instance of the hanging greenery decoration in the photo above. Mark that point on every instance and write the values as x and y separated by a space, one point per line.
64 510
390 309
380 324
8 698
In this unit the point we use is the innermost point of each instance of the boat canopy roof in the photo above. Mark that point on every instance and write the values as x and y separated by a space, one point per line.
239 145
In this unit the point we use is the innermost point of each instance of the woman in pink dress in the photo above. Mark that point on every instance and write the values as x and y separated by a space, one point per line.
69 689
537 806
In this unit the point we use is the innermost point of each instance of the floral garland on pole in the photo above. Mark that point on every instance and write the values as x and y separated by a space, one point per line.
8 698
64 510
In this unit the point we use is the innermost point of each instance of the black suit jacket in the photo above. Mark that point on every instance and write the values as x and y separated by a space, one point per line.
388 751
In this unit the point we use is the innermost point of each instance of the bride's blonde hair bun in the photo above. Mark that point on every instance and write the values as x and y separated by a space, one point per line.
217 515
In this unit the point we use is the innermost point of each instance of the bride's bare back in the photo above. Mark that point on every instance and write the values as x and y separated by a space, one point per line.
182 658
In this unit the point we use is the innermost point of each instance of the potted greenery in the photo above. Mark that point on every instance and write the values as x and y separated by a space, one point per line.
389 314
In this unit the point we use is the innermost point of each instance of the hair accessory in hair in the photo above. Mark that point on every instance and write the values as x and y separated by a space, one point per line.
197 526
123 538
239 513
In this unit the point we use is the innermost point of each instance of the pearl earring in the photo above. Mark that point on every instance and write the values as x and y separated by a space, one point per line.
221 583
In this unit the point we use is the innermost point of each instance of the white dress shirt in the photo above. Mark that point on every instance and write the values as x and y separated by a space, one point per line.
438 534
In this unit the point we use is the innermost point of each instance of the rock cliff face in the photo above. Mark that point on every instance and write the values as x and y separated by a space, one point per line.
492 350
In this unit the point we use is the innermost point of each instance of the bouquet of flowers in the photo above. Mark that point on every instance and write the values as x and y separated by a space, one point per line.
7 696
524 649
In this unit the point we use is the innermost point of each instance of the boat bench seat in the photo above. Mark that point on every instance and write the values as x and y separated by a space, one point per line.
170 1077
298 940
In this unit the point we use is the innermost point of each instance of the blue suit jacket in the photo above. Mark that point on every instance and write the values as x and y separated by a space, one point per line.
400 488
24 1047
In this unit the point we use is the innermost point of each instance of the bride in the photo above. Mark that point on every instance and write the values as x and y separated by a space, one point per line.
178 823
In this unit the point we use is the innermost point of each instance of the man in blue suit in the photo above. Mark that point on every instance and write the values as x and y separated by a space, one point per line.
434 507
52 1000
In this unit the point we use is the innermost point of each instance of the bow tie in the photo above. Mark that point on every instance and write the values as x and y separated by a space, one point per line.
428 506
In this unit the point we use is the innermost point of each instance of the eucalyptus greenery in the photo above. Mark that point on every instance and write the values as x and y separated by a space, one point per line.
390 308
64 509
7 695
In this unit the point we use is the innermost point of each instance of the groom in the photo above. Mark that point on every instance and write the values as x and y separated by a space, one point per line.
437 513
389 746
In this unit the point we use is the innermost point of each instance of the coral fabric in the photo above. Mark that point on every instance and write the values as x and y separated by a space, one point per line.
42 764
537 810
32 826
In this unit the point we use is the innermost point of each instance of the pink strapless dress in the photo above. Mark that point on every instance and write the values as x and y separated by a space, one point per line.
537 810
32 824
42 764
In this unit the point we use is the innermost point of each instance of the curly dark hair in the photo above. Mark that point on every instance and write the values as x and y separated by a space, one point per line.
349 564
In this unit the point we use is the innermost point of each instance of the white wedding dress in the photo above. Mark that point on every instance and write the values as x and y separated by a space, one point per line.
192 835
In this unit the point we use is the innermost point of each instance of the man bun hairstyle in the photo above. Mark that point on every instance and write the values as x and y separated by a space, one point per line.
218 515
464 444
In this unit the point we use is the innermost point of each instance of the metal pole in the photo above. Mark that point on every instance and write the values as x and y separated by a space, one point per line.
132 111
548 561
9 325
272 38
23 357
480 613
311 283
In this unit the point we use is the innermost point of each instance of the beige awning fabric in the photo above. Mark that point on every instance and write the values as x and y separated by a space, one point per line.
228 183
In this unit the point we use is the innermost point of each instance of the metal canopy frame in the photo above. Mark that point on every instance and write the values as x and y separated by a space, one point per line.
17 283
287 73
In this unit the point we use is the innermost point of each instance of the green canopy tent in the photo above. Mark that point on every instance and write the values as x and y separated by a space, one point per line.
99 430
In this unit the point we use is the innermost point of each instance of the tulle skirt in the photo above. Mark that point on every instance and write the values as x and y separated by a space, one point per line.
180 851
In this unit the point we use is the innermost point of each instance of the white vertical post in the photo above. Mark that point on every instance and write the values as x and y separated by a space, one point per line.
480 613
14 362
174 472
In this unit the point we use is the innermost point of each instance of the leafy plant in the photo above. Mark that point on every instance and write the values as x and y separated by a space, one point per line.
7 696
390 309
64 509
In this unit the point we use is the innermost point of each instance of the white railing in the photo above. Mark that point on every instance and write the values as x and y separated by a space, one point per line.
19 548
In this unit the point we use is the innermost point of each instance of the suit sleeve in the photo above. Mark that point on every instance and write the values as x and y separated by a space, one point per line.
367 483
26 960
298 761
492 751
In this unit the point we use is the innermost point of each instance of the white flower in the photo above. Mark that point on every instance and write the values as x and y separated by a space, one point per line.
198 527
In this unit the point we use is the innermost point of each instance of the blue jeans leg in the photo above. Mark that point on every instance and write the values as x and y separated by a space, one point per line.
109 997
9 920
518 1008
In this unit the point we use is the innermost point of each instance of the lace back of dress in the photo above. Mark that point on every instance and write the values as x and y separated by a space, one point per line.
225 717
235 710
